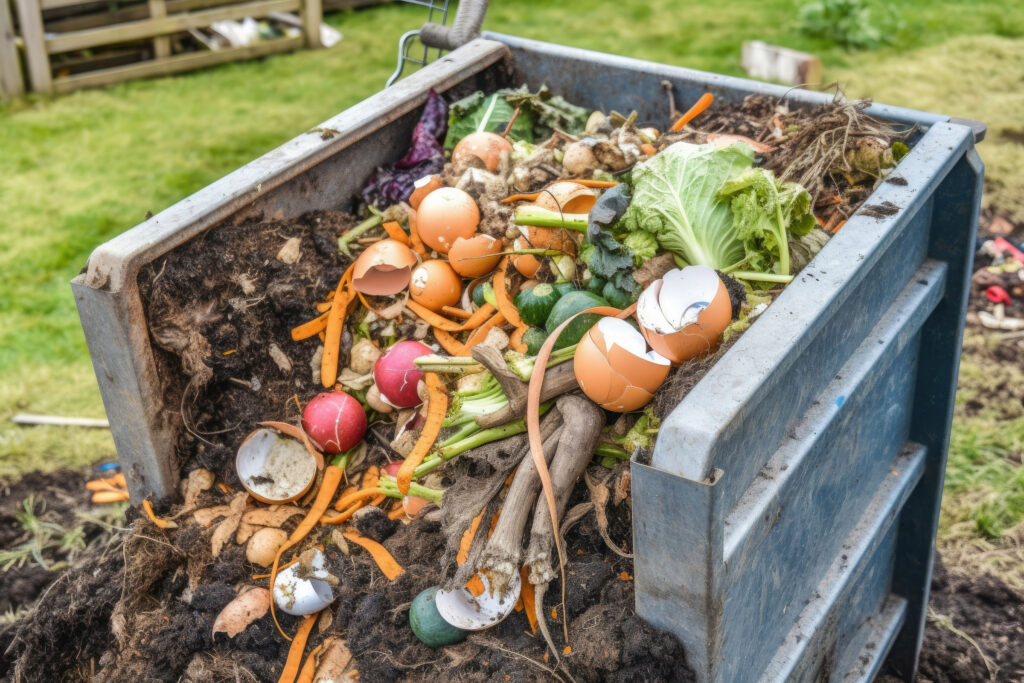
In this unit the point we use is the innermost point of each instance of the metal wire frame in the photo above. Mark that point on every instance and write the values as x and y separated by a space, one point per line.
405 43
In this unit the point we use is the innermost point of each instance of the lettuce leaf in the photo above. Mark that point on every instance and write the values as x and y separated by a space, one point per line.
486 113
643 245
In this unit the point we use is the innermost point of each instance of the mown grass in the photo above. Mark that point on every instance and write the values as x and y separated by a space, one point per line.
76 170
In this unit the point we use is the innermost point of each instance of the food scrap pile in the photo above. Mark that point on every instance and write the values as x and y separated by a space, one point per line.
407 429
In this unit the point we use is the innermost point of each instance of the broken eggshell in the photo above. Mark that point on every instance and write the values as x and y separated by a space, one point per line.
615 369
461 609
683 314
566 196
299 595
383 269
274 468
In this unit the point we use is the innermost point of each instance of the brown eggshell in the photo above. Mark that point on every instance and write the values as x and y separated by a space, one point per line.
593 373
444 215
423 187
475 256
527 264
383 268
614 377
485 146
435 285
699 338
567 197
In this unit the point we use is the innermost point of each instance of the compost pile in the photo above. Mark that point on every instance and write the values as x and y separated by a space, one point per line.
499 325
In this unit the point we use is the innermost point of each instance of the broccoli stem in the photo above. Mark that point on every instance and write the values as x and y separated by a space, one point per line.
481 437
537 216
607 450
390 486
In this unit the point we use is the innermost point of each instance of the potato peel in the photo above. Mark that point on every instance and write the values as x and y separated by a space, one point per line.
251 605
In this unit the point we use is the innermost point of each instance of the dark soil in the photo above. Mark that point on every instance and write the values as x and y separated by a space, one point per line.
216 307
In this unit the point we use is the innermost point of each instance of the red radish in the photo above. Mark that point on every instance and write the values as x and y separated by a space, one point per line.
334 421
396 375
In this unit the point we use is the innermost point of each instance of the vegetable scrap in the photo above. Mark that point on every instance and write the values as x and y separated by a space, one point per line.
491 335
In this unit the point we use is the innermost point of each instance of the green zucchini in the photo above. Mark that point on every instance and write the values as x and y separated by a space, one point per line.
534 338
596 284
568 306
615 296
564 288
428 625
534 304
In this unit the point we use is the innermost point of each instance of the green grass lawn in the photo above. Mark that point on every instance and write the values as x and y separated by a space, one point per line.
79 169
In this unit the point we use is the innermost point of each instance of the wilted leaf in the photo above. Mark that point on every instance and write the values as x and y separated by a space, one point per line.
242 611
225 529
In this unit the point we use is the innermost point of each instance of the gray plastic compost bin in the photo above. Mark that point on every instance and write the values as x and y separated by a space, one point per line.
784 527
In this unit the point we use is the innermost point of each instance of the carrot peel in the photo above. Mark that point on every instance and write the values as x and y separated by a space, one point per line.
693 112
437 407
291 665
379 553
147 505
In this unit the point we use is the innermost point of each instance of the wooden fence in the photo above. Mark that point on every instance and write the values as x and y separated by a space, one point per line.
131 41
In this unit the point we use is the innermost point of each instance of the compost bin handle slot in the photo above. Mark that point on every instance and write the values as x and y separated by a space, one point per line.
465 27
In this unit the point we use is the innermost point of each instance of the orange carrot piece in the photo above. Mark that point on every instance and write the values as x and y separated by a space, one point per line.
437 406
291 665
115 482
397 513
529 196
309 668
379 553
505 305
480 333
312 328
414 237
395 232
467 539
838 225
161 523
450 344
329 485
596 183
299 433
351 503
696 110
526 595
456 312
112 496
515 341
335 325
256 577
438 321
648 149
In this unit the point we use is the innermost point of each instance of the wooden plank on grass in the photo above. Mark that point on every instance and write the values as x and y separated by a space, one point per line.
336 5
149 28
175 64
11 84
30 18
130 13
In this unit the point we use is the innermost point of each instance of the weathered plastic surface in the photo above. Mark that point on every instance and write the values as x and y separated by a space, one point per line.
784 529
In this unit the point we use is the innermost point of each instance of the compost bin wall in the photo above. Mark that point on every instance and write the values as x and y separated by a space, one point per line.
784 526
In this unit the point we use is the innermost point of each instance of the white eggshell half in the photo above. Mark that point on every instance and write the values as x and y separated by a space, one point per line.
648 310
274 468
460 609
299 596
685 293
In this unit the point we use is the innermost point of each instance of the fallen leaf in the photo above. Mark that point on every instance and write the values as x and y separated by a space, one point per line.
273 516
207 516
225 529
334 659
242 611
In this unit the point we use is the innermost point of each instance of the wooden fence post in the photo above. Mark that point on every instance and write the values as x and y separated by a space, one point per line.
161 44
11 84
30 18
312 16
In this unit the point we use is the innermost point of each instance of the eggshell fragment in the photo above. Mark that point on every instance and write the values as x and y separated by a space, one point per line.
274 468
242 611
460 608
684 314
484 146
475 256
615 369
423 187
263 545
445 215
383 269
297 595
435 285
566 196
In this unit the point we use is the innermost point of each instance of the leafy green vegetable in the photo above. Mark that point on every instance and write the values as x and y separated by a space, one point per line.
606 257
486 113
765 212
677 197
643 245
899 150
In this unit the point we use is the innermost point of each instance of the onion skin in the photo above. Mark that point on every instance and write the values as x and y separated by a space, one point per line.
396 375
334 421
